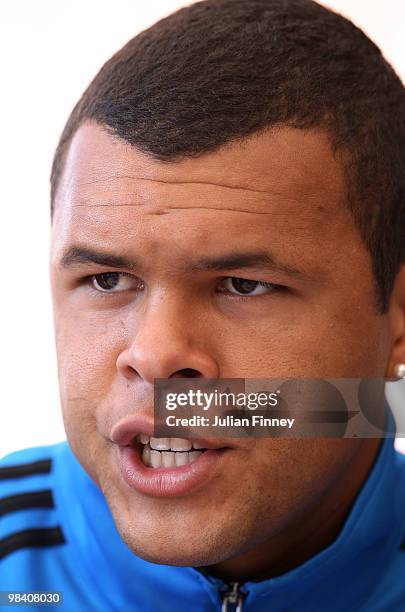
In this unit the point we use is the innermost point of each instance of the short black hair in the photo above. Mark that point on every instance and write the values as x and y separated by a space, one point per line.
220 70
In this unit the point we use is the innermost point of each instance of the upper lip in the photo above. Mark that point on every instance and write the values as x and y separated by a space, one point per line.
124 432
130 426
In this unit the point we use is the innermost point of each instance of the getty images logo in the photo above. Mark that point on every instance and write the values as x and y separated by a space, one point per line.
343 407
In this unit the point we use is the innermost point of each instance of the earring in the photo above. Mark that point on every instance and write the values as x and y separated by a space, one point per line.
399 370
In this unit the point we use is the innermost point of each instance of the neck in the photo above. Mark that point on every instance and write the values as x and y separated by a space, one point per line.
314 531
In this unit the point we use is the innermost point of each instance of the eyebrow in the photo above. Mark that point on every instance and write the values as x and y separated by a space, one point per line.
77 255
259 260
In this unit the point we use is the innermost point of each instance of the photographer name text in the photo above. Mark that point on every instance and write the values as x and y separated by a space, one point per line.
254 420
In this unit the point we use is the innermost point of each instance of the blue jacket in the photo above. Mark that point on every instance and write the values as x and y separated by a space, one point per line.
57 534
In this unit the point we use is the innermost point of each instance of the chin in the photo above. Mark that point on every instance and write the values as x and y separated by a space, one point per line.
170 550
172 536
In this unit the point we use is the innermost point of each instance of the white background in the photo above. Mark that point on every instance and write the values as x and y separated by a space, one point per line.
50 50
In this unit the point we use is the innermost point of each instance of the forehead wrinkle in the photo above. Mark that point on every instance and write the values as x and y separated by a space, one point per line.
267 199
166 211
120 196
167 182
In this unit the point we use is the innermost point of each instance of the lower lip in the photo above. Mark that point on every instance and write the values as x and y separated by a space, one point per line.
167 482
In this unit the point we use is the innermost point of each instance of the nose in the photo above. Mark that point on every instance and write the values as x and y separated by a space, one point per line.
167 344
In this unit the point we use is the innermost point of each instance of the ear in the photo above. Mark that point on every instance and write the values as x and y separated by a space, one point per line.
397 323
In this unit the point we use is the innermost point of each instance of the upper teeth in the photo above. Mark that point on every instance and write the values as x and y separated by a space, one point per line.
167 444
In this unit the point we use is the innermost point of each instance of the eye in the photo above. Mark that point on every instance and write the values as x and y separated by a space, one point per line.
114 282
244 286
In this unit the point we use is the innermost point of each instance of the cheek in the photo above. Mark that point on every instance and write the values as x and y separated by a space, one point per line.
289 476
87 350
275 350
319 339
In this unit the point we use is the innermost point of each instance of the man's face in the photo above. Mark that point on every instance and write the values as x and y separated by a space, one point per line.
271 209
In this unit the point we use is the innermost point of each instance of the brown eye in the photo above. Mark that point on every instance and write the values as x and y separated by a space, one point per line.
113 282
245 286
242 285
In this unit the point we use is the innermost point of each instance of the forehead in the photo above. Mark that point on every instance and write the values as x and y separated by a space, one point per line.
283 186
287 162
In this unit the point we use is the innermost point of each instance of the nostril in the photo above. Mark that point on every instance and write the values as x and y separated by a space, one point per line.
186 373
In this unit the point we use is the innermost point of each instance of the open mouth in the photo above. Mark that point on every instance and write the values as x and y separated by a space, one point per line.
168 452
164 467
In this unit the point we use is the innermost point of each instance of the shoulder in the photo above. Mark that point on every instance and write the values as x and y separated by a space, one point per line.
26 470
20 459
36 550
27 506
389 593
